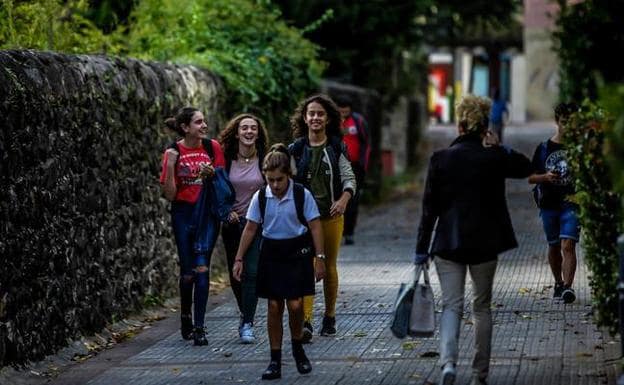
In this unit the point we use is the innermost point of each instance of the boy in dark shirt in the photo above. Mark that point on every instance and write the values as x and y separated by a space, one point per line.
559 215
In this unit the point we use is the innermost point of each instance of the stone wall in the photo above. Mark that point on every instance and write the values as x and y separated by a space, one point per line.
85 234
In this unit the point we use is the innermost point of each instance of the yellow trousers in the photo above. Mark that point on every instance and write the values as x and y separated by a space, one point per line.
332 236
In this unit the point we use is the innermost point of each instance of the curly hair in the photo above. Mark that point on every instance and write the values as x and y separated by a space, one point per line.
473 113
229 141
564 110
297 120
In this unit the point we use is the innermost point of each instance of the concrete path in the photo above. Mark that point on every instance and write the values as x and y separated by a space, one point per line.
536 341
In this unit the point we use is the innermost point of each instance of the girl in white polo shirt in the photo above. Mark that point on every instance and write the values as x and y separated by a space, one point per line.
291 254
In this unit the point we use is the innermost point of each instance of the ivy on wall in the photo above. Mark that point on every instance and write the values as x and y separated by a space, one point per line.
600 210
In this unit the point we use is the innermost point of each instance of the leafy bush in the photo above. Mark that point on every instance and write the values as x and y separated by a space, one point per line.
586 36
600 213
51 25
612 97
267 65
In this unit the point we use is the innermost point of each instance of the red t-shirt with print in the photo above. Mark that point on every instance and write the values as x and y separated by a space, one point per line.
351 139
187 178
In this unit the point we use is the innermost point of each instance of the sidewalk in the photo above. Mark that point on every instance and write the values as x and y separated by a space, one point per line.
536 341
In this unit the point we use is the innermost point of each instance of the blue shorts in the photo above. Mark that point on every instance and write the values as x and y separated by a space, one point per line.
560 224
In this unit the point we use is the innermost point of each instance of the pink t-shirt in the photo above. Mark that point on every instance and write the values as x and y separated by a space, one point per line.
187 178
246 179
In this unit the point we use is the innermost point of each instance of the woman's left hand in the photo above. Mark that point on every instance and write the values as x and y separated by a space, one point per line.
319 269
339 207
206 170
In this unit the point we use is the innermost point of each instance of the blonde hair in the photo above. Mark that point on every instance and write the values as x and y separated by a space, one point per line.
473 113
278 158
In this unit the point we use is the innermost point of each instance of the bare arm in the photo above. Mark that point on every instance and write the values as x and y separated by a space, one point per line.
548 177
169 188
249 232
317 238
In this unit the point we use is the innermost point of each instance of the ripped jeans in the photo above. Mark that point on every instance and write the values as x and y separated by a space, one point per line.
194 283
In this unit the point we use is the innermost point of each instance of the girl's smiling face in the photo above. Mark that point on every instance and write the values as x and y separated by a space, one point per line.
197 128
247 132
277 181
316 117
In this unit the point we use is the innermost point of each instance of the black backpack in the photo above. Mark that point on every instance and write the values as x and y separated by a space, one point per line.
298 195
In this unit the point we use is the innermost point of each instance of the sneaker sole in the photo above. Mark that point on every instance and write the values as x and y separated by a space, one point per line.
448 379
568 297
247 341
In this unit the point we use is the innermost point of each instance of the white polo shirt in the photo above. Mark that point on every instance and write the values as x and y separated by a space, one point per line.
281 221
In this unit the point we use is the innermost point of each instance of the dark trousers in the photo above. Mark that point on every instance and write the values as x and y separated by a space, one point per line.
245 290
350 215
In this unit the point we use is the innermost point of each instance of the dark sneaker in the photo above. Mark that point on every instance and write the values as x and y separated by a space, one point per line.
303 364
199 337
186 326
558 289
348 240
329 326
307 333
568 295
478 381
273 371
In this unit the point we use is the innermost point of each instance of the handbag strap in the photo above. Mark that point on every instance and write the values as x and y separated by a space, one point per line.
423 269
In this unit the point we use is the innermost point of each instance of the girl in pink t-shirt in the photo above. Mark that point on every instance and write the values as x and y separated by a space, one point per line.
184 167
244 141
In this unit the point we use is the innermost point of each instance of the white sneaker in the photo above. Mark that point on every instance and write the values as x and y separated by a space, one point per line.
448 374
247 334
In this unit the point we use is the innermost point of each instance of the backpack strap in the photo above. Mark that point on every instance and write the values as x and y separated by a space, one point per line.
543 152
208 146
298 195
207 143
262 201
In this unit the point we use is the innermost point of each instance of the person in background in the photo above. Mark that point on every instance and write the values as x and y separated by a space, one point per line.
498 115
559 214
356 137
291 255
244 142
184 167
465 224
323 167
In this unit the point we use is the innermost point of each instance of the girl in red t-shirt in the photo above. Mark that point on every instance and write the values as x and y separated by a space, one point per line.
183 171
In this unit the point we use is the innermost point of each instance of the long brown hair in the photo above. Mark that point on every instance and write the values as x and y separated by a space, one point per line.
229 141
183 116
297 120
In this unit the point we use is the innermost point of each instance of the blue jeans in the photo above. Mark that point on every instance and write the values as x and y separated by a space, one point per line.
561 223
191 280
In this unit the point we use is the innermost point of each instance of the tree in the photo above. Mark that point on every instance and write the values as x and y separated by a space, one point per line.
587 35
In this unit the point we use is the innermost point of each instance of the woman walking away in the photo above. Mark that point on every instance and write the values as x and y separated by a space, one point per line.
324 168
185 164
291 255
244 142
465 195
